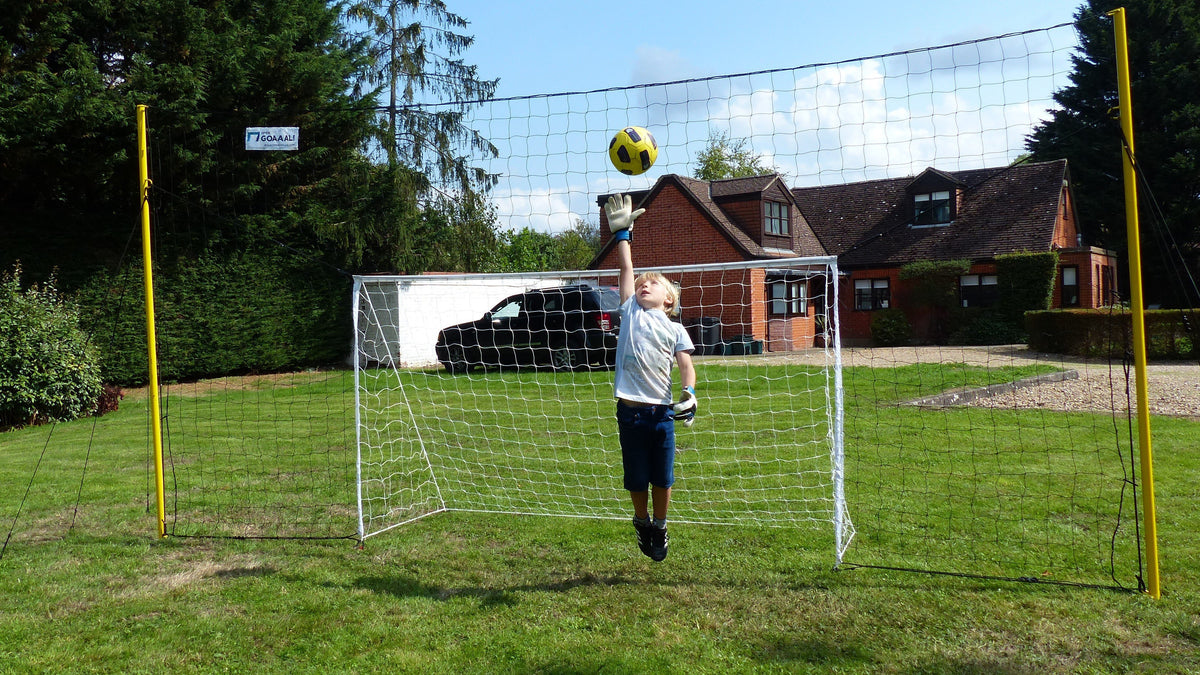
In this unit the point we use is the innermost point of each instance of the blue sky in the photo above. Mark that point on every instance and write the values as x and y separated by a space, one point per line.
539 46
848 118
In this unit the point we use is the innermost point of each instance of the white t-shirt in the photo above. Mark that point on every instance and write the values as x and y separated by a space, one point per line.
646 349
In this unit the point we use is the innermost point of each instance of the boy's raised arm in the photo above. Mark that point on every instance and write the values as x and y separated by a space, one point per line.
621 215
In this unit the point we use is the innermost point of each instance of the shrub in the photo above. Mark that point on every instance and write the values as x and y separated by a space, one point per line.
985 328
48 370
1026 284
110 399
220 314
1108 333
934 285
890 328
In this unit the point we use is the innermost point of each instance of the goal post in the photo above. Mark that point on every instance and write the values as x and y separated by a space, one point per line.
515 429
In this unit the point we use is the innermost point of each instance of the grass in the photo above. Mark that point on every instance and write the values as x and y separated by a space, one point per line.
467 592
998 492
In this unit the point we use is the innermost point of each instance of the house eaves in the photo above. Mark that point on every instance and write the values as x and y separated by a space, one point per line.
1003 210
697 192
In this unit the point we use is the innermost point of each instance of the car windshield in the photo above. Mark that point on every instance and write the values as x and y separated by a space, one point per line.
609 299
508 308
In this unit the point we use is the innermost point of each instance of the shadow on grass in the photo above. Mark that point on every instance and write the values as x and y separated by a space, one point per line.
241 572
985 666
409 587
813 651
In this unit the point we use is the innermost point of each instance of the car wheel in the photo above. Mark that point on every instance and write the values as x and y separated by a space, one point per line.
564 358
456 359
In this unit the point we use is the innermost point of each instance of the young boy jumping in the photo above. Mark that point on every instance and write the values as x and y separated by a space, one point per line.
648 342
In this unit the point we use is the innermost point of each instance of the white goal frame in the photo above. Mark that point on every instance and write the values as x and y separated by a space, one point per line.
776 416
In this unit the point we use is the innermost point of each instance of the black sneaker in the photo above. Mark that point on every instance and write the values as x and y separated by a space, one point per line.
658 543
644 536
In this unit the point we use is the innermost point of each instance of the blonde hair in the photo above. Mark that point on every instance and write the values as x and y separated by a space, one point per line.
672 290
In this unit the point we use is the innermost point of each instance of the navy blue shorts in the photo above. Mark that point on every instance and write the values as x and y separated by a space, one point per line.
647 446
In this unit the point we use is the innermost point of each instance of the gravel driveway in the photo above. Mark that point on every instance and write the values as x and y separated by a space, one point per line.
1173 388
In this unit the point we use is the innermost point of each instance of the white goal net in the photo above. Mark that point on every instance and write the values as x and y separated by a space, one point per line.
494 393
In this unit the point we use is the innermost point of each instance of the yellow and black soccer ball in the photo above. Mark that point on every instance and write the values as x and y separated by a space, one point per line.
633 151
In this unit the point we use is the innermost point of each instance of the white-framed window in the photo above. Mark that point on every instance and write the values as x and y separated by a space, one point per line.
871 294
788 297
932 208
776 217
978 290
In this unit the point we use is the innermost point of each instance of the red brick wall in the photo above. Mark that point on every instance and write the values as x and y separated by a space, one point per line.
786 334
1066 233
747 214
672 232
856 324
1090 263
736 297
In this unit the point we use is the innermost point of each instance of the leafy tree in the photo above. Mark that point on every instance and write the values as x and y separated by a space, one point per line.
727 158
468 238
385 230
414 47
1164 50
1025 284
578 246
71 73
528 250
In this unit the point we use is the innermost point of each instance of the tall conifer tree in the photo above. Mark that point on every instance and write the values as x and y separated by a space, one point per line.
1164 50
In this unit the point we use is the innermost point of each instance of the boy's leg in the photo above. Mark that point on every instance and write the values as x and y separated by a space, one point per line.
636 481
641 503
662 499
646 457
656 532
643 525
662 477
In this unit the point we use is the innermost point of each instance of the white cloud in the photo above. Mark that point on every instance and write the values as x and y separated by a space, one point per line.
874 118
655 64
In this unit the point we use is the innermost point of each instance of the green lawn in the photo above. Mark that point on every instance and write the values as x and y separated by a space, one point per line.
466 592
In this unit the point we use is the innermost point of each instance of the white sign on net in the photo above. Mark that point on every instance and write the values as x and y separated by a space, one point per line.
272 138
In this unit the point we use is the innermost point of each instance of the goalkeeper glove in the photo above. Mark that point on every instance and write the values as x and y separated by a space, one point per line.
685 409
621 215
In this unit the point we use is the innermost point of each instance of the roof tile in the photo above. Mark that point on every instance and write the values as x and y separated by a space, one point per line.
1003 210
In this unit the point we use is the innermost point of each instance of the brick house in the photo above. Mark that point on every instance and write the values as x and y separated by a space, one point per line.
874 228
690 221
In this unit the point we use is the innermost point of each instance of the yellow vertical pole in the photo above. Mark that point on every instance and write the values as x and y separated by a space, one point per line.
151 343
1150 528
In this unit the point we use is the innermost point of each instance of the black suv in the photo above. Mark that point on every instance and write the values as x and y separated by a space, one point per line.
566 328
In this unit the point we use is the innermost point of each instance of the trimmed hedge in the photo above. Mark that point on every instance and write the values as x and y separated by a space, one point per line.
48 371
983 326
934 285
1108 333
249 312
1026 283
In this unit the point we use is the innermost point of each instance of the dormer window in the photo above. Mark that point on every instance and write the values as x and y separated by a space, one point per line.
932 208
775 219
